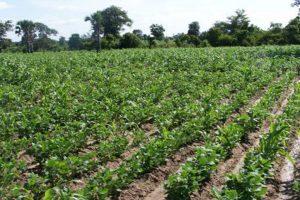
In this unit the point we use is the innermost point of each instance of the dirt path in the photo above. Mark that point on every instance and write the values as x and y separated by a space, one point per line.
286 172
150 186
236 162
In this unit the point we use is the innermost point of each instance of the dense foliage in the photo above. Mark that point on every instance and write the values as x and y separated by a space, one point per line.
64 116
107 26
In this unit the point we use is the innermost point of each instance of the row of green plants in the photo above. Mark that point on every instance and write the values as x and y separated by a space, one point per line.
57 145
150 156
250 182
108 151
198 169
62 170
51 104
109 182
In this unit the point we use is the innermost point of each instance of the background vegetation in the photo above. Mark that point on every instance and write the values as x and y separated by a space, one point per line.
108 24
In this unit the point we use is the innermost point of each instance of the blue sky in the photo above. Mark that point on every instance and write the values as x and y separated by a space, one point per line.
67 16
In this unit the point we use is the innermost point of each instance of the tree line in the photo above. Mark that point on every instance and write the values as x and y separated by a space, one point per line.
107 25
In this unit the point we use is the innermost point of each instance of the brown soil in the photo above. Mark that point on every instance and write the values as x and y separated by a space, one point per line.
77 184
150 186
31 164
150 129
235 163
286 172
149 182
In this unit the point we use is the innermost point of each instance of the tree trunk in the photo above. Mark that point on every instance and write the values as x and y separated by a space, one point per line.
31 47
1 45
28 47
98 41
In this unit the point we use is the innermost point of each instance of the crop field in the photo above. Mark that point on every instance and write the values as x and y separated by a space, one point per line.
195 123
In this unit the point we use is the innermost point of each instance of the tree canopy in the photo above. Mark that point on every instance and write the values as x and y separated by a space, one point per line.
114 19
107 28
97 23
30 30
194 29
157 31
4 28
75 42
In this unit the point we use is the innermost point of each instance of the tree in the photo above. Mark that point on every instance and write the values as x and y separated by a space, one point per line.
63 44
237 30
213 35
130 40
96 21
185 40
273 36
75 42
292 31
62 41
44 31
157 31
238 22
27 30
45 44
138 33
194 29
31 30
114 18
275 28
4 28
110 42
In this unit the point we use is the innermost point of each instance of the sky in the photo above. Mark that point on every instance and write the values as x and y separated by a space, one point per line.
67 16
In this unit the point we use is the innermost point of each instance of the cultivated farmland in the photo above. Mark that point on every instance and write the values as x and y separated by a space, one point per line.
150 124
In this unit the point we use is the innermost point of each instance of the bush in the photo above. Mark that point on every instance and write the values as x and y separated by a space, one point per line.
110 42
205 43
130 40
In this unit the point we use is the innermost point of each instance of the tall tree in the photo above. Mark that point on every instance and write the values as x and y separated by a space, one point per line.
96 21
194 29
62 41
114 19
30 31
44 31
75 42
238 22
292 31
4 28
237 30
157 31
27 29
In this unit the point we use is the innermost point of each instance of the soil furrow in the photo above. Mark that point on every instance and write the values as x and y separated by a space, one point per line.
150 186
235 163
286 173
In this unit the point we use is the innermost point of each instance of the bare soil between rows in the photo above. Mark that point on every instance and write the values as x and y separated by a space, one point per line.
235 163
150 186
286 172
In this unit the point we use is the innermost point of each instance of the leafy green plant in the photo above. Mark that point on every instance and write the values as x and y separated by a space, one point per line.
53 104
250 182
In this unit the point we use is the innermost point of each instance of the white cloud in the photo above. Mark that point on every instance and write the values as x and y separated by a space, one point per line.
4 5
